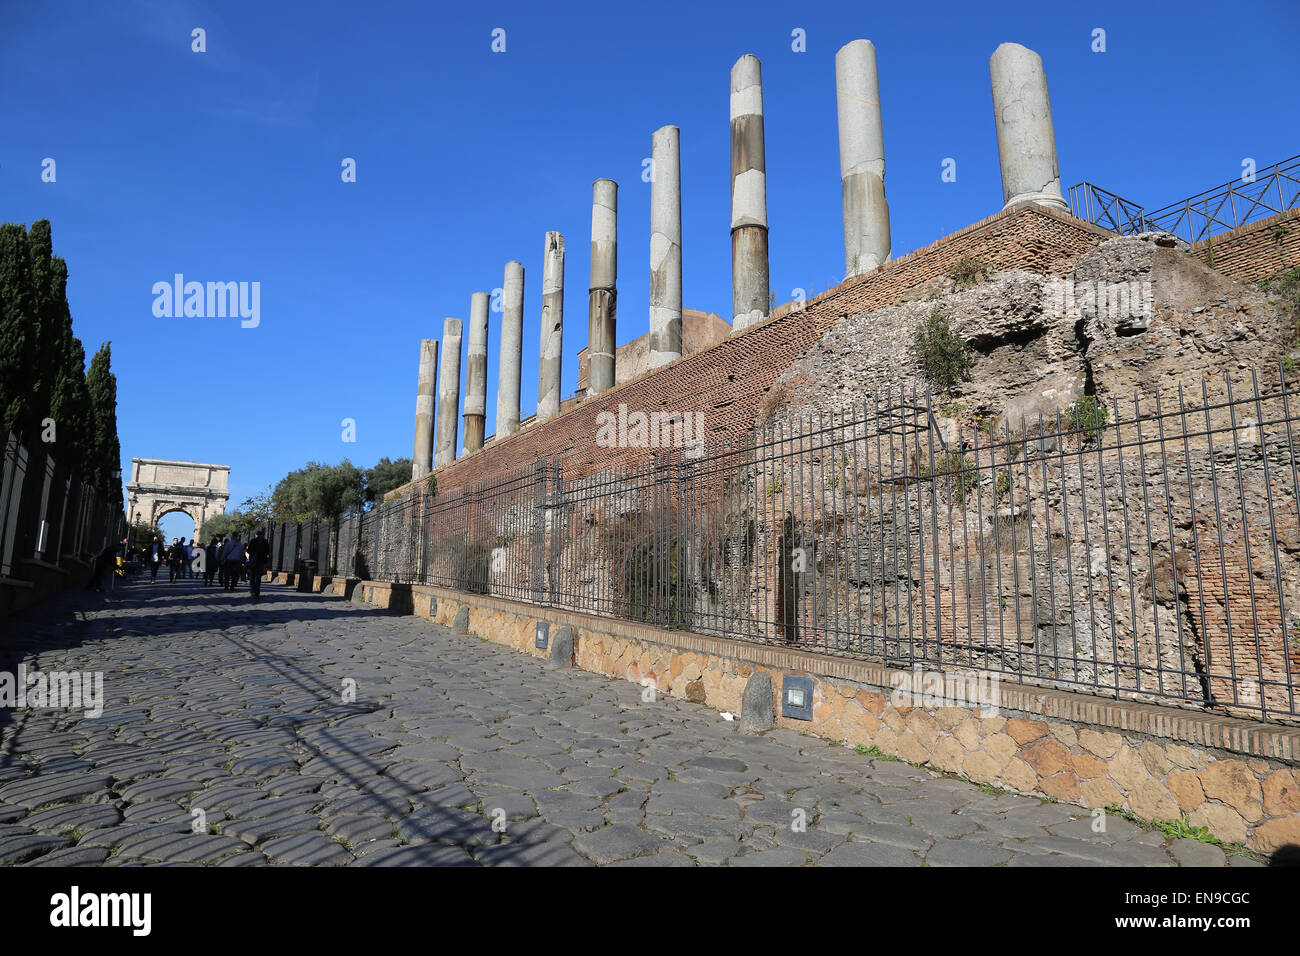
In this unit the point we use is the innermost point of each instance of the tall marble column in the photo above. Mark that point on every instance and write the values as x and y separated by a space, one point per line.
602 303
476 372
512 348
750 288
862 159
1022 112
422 459
551 356
666 248
448 394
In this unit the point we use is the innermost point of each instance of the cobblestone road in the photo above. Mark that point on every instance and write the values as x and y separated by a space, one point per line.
236 710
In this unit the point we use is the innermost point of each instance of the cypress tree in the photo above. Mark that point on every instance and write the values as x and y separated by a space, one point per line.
49 356
18 334
70 404
106 453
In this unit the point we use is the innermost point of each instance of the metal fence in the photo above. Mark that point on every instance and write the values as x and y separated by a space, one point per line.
1146 548
47 515
1238 203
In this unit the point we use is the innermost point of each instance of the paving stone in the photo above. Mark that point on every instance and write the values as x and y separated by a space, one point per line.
663 858
314 849
71 856
257 830
869 854
618 842
529 854
42 791
361 829
425 854
966 853
75 816
179 848
20 847
456 795
446 825
1195 853
781 856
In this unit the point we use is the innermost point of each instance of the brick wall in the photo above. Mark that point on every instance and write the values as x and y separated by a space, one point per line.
728 381
1257 251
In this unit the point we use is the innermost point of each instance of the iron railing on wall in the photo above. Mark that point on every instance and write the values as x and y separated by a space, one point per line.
47 514
1238 203
1146 547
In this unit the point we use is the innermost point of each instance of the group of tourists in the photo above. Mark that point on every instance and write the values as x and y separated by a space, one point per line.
225 558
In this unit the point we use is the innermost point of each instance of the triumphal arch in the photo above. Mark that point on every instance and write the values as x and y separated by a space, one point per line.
158 487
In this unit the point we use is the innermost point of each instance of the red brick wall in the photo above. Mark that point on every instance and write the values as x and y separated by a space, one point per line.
728 381
1254 252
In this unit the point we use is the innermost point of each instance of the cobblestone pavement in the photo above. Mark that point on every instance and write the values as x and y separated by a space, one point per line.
218 705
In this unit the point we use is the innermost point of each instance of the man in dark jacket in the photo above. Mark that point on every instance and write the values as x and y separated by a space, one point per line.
157 557
212 559
175 557
259 552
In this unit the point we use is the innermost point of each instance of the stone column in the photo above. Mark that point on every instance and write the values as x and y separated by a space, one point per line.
512 349
552 349
602 303
448 394
666 248
1022 113
862 159
750 288
476 372
422 462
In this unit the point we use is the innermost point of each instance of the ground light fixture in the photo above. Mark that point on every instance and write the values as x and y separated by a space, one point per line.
796 697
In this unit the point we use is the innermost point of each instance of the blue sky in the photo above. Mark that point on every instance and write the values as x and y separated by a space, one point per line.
225 166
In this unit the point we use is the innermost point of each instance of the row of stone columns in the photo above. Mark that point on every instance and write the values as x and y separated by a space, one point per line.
1027 155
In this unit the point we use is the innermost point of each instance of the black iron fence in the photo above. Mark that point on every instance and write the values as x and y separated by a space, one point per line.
48 516
1259 195
1146 548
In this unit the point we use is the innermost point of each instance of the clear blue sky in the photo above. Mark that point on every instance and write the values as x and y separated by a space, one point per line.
225 166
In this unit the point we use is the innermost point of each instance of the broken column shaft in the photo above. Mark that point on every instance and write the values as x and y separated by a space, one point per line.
750 289
448 394
422 459
602 303
512 347
666 248
862 159
550 361
476 372
1022 112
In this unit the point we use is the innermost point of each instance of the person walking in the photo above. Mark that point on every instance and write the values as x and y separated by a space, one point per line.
259 552
232 559
157 556
174 561
212 559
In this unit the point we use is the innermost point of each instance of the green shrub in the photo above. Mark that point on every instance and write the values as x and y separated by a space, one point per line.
1088 416
967 272
955 474
941 352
